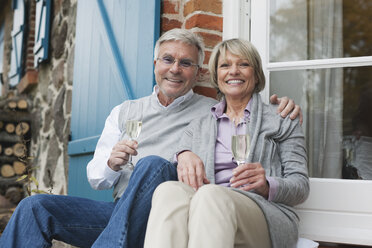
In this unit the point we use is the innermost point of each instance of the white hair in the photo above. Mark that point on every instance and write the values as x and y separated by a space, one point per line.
184 35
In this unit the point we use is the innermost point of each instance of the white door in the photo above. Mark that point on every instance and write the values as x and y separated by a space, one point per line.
319 53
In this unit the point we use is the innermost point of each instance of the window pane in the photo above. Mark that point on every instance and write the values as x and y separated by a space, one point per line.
336 104
319 29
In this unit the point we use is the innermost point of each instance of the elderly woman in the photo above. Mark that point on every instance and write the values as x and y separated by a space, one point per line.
249 205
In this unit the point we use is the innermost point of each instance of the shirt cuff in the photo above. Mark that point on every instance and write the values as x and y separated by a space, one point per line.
273 187
109 173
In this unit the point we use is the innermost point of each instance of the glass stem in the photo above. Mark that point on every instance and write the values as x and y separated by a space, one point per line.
130 164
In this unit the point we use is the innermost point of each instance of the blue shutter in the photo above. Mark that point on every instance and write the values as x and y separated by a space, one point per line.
17 42
113 62
43 8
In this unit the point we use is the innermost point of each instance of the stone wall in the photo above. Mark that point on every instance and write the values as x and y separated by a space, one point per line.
49 90
52 101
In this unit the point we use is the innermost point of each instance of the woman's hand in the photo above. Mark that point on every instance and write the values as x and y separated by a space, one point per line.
190 170
120 153
250 176
287 106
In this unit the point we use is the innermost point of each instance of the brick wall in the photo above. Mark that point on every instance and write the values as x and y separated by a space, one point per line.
29 79
30 39
203 17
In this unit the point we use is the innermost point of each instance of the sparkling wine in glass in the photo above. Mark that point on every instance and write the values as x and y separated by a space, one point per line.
133 125
133 128
240 144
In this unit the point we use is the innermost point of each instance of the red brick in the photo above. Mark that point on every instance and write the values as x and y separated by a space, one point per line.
205 91
169 7
30 66
28 81
210 40
205 21
214 6
168 24
207 56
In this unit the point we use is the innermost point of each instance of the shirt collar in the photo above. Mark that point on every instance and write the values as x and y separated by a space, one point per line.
218 110
176 101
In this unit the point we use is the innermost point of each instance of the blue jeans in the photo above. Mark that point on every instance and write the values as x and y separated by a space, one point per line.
87 223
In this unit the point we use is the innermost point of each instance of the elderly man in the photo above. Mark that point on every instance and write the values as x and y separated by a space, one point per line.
39 219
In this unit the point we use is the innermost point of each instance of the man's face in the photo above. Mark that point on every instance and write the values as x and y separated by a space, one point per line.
175 80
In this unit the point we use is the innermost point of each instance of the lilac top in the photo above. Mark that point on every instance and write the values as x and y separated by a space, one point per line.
224 161
223 158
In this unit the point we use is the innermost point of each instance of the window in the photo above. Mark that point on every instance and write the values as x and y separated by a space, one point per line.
17 42
334 96
318 52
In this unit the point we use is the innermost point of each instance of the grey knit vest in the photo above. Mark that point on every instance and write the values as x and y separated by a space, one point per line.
161 129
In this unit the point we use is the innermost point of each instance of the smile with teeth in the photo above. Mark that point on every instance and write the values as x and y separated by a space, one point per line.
174 80
234 81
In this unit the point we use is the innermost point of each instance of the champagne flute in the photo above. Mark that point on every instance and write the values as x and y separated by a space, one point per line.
240 144
133 125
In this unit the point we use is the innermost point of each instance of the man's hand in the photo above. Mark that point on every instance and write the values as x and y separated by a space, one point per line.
120 153
250 176
190 170
287 106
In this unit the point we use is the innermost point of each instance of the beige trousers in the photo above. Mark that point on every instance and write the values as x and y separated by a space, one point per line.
212 217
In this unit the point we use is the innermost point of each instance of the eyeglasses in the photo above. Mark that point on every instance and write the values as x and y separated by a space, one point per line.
184 63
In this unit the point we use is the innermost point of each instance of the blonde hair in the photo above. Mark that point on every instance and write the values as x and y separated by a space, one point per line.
245 50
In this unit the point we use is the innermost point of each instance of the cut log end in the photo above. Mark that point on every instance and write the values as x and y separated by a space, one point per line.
7 170
19 167
22 128
8 151
10 128
12 104
19 150
22 104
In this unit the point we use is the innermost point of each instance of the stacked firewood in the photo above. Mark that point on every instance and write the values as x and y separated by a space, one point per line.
15 135
13 148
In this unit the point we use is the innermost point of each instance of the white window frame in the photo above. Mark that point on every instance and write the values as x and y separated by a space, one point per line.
337 210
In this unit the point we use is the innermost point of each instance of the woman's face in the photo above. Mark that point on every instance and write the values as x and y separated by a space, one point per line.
236 78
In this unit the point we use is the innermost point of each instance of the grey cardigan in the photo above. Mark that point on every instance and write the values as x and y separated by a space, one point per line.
279 145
